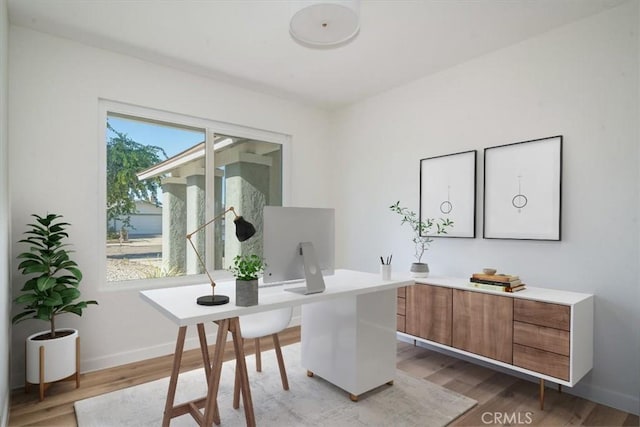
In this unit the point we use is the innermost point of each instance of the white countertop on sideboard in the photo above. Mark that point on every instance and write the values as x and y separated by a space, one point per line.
531 293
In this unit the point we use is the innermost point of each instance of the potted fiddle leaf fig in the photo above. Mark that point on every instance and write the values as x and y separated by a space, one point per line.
246 269
421 235
51 289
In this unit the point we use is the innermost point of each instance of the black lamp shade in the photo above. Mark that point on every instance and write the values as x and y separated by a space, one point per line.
244 229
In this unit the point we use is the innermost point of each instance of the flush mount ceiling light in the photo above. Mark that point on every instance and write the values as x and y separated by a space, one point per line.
328 23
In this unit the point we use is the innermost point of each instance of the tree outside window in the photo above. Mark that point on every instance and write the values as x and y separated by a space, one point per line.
158 191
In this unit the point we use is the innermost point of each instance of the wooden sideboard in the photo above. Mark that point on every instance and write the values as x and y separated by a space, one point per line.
545 333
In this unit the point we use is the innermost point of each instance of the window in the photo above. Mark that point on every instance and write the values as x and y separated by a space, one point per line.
165 179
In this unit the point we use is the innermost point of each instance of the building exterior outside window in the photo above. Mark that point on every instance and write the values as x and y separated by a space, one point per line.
247 174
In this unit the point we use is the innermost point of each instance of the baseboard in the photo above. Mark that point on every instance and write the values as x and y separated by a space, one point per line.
4 419
137 355
623 402
117 359
612 398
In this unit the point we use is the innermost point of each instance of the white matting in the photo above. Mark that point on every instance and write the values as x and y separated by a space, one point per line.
309 401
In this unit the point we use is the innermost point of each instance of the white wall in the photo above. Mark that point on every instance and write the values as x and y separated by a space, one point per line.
5 289
53 164
580 81
637 349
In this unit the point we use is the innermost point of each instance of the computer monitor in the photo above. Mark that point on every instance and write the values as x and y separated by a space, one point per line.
299 243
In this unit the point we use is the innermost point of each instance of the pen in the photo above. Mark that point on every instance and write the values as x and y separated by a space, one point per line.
381 261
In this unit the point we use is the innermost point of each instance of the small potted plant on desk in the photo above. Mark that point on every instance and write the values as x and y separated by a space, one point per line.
246 269
52 289
421 238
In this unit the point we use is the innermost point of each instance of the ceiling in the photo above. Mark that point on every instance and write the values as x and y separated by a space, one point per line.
247 43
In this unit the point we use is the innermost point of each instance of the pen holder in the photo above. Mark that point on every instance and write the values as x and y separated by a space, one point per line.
385 271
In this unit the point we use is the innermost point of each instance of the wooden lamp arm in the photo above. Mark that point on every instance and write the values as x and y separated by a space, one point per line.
231 208
200 260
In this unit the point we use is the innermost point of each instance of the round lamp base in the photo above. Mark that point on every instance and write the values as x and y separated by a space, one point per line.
213 300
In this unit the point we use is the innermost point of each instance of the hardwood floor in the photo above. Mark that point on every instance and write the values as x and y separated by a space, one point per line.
501 397
504 399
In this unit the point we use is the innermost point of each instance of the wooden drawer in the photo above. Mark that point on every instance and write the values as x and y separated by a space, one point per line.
542 338
402 292
400 323
542 313
544 362
401 306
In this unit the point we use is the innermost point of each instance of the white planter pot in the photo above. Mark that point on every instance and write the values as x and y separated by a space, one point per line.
59 357
419 269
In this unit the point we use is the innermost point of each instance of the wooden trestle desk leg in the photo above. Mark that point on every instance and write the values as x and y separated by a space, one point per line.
173 381
204 349
233 326
192 407
241 366
211 414
236 390
216 369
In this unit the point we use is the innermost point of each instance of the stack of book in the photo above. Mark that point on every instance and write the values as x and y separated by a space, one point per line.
497 282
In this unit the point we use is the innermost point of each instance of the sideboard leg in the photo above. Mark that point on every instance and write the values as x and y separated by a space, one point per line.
541 394
559 388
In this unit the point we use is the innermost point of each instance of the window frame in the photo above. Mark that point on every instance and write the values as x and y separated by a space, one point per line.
211 128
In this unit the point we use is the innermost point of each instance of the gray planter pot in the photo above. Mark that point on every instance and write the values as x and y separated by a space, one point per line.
419 269
246 292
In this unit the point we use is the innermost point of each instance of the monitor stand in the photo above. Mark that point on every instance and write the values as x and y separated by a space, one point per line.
312 272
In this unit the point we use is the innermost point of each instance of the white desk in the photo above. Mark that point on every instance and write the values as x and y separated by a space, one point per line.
348 334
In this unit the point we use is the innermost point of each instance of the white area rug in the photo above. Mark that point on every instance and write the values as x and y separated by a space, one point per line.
309 401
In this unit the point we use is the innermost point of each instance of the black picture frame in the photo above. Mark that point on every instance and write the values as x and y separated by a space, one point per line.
448 190
522 197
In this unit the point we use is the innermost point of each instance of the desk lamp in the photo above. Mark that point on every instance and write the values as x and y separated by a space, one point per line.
244 230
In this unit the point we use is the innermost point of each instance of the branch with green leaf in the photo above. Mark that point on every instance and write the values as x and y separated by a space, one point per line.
421 229
53 287
247 267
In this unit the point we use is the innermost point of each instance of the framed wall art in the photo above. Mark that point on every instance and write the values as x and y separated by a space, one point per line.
448 190
523 190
